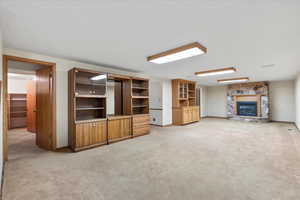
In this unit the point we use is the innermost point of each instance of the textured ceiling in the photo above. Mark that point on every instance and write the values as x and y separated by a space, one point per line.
240 33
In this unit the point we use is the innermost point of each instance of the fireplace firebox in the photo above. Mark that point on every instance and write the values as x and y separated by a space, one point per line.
247 108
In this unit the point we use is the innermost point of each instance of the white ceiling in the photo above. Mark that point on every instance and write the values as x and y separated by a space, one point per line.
122 33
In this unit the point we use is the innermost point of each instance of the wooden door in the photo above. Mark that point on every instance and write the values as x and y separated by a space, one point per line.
44 108
31 106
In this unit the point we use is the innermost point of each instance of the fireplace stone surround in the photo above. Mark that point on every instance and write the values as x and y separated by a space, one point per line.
257 92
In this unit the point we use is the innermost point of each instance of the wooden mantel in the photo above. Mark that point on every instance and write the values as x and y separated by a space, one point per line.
248 97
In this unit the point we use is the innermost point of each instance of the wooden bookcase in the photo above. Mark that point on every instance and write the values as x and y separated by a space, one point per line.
185 109
92 122
87 109
140 96
140 106
17 111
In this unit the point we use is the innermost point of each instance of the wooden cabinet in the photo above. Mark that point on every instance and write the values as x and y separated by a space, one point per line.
185 115
93 122
184 102
119 128
140 124
90 134
17 111
87 109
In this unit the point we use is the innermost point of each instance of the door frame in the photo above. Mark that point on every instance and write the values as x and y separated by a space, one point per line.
52 66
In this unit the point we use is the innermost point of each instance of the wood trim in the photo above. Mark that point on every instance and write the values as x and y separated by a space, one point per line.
28 60
90 147
139 78
168 125
178 49
88 70
256 98
6 58
155 109
118 117
233 79
215 70
5 108
285 122
117 77
215 117
118 139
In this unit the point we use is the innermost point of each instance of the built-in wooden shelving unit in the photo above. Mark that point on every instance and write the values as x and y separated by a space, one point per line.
184 102
90 124
87 109
17 111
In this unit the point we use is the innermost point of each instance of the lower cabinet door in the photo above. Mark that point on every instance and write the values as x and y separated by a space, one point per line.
119 129
89 134
185 116
197 114
191 115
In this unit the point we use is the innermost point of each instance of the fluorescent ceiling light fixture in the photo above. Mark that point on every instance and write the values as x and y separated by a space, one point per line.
179 53
99 77
216 72
234 80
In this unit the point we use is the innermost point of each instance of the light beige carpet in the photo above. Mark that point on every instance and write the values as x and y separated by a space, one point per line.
211 160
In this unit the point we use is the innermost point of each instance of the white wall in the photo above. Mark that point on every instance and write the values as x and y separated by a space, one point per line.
1 111
16 85
62 68
203 101
160 92
167 102
282 100
155 102
297 101
216 101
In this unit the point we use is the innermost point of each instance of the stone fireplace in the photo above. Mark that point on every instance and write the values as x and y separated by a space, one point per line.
248 101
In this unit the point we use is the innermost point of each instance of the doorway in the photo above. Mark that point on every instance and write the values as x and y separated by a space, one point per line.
29 105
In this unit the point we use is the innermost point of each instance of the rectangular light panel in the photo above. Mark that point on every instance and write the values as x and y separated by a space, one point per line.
216 72
179 53
234 80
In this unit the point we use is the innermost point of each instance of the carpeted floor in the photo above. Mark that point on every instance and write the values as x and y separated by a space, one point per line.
214 159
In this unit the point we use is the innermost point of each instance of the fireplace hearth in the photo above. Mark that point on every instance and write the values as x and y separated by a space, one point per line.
247 108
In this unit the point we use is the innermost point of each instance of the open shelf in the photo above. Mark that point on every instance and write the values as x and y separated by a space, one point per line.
139 106
96 108
140 96
139 88
90 96
140 110
90 108
85 85
17 111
